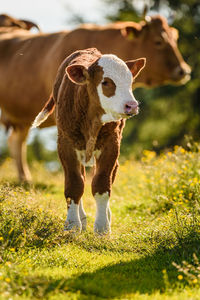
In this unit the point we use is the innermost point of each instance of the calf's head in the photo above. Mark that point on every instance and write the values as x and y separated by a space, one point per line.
109 80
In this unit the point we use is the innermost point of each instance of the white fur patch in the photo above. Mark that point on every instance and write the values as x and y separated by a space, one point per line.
41 117
103 214
73 219
110 117
81 157
115 69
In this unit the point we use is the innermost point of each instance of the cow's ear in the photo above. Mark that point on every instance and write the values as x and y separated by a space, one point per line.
77 74
174 33
135 66
131 32
28 24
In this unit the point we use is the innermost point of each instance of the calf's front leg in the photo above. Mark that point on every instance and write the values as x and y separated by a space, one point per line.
74 184
101 187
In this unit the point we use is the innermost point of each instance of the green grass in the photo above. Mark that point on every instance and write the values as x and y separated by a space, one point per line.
155 207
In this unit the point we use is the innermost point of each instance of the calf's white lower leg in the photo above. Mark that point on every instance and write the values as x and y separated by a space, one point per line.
73 221
109 214
82 214
103 215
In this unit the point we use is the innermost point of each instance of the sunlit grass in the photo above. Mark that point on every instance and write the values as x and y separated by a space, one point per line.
155 227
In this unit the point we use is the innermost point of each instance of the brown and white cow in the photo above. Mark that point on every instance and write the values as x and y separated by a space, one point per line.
29 63
92 96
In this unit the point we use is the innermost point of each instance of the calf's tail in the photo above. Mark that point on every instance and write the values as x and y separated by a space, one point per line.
45 112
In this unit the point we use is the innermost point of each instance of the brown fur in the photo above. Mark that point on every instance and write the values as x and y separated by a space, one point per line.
29 62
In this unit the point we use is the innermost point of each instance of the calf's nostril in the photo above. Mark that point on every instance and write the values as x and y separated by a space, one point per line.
128 107
131 108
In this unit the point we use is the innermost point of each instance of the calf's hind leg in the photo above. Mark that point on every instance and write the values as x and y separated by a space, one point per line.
74 184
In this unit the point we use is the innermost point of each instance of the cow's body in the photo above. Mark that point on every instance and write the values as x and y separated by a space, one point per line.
29 63
92 95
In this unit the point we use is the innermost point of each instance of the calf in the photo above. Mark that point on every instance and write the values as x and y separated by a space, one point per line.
92 96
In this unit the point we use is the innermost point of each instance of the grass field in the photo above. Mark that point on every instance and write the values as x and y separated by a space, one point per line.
152 253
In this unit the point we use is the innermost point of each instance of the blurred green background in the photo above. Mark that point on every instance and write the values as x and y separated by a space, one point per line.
168 113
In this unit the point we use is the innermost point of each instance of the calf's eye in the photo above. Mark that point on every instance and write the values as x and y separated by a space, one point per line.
108 87
105 83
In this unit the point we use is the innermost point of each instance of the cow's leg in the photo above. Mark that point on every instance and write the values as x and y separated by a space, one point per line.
74 183
17 147
83 216
101 186
82 213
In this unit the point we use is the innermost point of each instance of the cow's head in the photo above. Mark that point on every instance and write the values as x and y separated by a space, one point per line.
156 41
110 80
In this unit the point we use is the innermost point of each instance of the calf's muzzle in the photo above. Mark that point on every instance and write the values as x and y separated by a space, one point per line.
131 108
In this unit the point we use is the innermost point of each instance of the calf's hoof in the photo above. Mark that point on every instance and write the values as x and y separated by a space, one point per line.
73 222
73 226
102 227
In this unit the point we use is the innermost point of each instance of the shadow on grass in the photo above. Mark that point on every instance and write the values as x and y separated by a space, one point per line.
144 275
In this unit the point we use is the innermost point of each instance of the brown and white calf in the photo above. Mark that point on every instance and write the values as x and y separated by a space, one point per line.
92 96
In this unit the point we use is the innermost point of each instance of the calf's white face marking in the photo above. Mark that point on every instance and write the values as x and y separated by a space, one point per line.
115 69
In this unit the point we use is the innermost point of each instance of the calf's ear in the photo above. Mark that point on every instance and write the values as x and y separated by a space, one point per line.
135 66
77 74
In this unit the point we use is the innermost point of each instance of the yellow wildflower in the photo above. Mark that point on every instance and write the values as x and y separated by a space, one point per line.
180 277
195 280
182 150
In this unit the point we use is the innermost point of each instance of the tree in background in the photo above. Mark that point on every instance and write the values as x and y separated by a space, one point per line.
167 113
